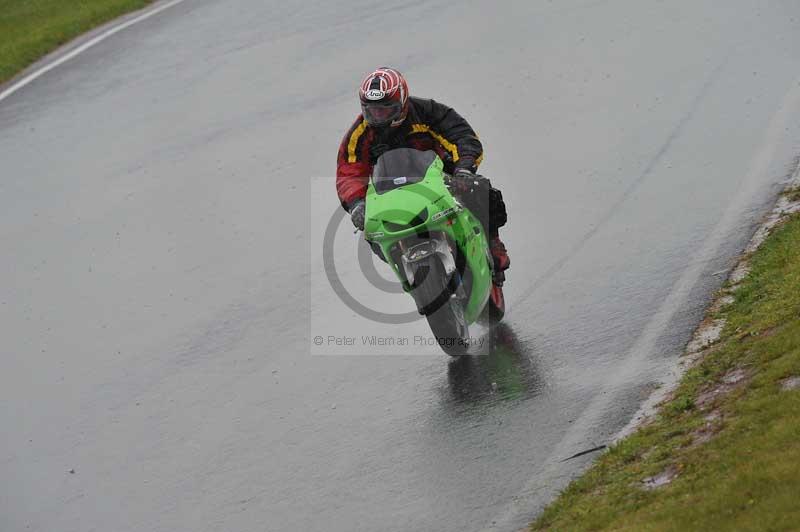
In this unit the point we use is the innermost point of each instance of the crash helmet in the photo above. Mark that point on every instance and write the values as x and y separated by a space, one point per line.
384 98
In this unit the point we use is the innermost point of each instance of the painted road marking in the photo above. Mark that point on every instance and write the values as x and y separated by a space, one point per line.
580 431
85 46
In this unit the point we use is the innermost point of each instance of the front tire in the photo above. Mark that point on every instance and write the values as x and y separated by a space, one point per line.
444 312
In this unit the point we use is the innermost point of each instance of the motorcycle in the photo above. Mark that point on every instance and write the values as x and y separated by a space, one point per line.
437 247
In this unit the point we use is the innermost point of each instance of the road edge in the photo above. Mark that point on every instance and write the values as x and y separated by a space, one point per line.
708 331
588 495
79 44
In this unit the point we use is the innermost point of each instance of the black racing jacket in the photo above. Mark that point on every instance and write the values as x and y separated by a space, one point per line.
429 125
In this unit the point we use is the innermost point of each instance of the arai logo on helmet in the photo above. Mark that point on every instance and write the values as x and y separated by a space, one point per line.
374 94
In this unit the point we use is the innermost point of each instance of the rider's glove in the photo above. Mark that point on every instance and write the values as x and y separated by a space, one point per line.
464 172
463 181
357 211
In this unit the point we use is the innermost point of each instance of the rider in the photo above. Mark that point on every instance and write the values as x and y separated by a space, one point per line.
390 118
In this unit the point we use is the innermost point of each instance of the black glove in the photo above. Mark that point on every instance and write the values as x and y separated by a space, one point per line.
464 173
357 212
463 181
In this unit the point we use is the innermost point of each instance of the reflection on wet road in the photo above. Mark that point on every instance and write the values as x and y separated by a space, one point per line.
506 372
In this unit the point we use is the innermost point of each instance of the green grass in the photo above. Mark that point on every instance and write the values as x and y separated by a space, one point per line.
32 28
747 475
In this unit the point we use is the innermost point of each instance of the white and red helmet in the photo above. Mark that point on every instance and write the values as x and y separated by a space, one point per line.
384 98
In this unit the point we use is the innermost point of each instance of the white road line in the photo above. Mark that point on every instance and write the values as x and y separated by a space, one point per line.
637 357
85 46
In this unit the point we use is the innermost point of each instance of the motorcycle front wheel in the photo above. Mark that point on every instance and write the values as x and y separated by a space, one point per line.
433 291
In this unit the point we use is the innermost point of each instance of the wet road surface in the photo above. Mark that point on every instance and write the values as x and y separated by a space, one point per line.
161 201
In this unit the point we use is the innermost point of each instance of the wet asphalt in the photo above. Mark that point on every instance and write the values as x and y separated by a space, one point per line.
162 201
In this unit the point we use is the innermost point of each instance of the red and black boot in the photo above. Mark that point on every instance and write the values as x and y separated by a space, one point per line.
496 306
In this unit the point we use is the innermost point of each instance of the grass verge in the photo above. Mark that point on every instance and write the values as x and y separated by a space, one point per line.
32 28
723 453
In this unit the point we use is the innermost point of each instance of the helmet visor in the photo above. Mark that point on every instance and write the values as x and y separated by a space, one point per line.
381 114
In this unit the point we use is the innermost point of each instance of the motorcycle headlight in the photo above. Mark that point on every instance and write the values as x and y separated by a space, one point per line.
419 252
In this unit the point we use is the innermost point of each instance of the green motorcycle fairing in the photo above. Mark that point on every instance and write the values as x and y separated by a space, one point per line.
400 210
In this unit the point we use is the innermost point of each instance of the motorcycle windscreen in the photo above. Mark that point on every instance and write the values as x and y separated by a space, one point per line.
400 167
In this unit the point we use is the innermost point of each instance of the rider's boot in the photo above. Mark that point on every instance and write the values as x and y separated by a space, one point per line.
497 303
